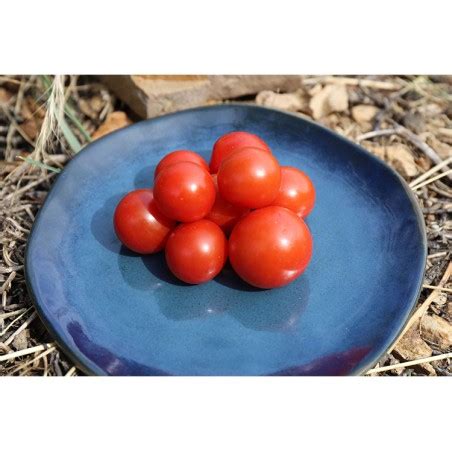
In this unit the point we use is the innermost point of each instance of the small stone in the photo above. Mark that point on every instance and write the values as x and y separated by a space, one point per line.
400 157
414 121
437 331
20 342
296 101
114 121
364 113
332 98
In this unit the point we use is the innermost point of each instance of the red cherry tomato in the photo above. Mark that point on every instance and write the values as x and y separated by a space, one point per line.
139 224
184 191
196 252
231 142
270 247
249 178
180 156
223 213
296 193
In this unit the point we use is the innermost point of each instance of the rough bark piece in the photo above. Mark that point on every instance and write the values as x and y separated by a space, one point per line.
154 95
437 330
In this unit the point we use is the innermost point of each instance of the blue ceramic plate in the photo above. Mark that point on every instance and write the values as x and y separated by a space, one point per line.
117 313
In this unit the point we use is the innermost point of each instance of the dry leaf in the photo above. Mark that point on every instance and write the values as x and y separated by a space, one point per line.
400 157
364 113
332 98
115 120
437 330
411 346
296 101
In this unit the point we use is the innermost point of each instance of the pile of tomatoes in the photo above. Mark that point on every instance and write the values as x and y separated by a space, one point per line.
244 206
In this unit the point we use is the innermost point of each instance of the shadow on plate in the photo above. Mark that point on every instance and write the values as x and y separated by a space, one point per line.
145 177
102 224
254 308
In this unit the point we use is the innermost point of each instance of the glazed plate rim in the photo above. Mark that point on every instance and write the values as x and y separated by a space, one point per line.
83 363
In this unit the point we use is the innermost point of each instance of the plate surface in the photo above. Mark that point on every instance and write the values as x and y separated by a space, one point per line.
117 313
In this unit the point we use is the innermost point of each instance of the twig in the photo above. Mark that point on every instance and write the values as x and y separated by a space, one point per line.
13 122
27 351
429 181
375 133
21 328
431 171
409 363
424 147
408 135
436 255
376 84
11 314
71 372
2 333
27 187
424 306
7 283
442 289
48 351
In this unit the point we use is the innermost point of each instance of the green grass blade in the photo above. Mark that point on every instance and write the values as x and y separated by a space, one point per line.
40 164
72 140
71 115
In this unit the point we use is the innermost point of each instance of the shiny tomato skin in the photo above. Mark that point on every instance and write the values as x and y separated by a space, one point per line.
184 191
296 193
249 178
223 213
139 224
181 155
196 252
231 142
270 247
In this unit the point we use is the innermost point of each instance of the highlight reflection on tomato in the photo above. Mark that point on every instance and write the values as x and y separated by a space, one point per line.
196 252
249 178
184 191
296 192
270 247
139 224
231 142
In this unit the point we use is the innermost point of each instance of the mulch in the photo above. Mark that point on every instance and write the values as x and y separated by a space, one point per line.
406 120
